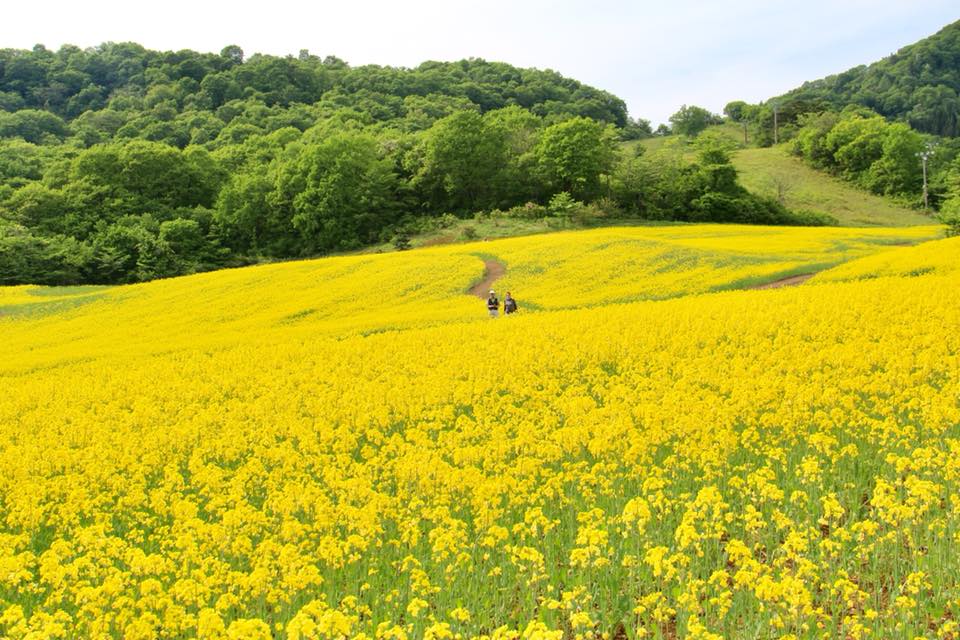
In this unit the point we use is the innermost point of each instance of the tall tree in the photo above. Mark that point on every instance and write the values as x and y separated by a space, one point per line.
691 120
461 160
574 154
339 193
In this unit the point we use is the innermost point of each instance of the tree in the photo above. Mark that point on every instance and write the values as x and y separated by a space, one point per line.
461 160
32 125
811 140
339 193
130 250
518 131
636 129
245 213
718 173
736 110
37 207
856 142
158 161
26 258
782 183
20 162
574 154
691 120
918 85
897 171
935 110
232 53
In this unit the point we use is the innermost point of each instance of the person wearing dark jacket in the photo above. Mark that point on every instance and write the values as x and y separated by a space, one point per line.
509 304
493 304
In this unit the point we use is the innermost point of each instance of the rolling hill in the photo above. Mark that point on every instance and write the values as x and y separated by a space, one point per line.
772 171
918 84
349 447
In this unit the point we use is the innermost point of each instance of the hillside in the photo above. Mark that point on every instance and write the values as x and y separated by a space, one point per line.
121 164
773 170
187 97
348 447
919 84
377 292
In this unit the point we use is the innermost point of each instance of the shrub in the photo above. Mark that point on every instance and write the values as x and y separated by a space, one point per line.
447 220
528 211
808 218
751 209
951 218
401 241
607 208
469 233
563 205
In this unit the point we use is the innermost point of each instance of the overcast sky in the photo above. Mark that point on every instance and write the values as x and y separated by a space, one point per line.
655 55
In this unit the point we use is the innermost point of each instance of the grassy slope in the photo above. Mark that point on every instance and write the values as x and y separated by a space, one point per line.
808 188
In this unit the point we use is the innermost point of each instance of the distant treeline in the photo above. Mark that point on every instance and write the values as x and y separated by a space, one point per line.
919 85
873 125
120 164
861 146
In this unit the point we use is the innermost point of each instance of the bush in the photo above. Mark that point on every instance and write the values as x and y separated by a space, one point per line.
401 241
563 205
469 233
29 259
607 208
952 220
528 211
751 209
808 218
447 220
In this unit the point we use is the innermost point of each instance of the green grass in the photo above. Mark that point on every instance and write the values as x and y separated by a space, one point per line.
806 188
763 169
77 290
53 300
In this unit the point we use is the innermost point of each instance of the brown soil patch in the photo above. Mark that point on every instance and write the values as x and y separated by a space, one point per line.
492 271
791 281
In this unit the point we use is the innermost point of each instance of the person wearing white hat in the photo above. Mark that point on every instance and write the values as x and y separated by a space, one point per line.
493 304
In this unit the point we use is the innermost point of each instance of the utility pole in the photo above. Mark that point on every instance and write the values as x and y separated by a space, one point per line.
924 156
776 128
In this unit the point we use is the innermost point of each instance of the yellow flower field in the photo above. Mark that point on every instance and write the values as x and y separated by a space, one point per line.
349 448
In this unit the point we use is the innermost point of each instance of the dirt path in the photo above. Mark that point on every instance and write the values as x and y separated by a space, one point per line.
492 271
790 281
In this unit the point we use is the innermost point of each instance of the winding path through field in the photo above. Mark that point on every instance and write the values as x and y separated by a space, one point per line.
492 271
790 281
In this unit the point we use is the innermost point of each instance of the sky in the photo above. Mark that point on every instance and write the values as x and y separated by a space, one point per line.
657 55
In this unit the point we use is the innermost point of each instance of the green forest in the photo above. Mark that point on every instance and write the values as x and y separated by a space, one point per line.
121 164
878 126
918 85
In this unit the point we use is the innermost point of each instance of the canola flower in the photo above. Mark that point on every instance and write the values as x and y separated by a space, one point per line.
201 458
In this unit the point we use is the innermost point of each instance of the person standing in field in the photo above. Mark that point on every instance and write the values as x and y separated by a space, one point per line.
509 304
493 304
